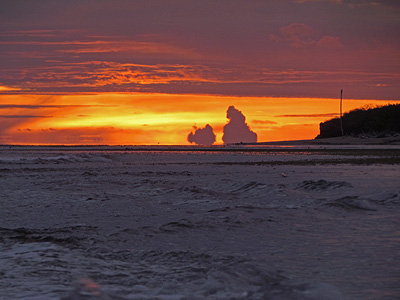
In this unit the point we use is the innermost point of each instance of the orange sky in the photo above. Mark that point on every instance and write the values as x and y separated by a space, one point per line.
148 119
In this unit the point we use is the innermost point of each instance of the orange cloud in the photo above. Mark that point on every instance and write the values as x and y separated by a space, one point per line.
127 46
99 76
263 122
134 47
8 89
74 61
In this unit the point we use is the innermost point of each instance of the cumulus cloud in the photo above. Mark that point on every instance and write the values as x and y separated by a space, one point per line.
237 131
202 136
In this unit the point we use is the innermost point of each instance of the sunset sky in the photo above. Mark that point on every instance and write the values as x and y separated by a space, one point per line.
148 71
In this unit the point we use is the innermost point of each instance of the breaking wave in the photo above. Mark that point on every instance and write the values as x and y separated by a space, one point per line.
44 267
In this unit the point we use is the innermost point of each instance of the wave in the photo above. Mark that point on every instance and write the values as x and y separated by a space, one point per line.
323 185
188 275
58 159
71 236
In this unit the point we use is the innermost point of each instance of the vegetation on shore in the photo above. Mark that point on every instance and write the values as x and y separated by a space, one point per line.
380 121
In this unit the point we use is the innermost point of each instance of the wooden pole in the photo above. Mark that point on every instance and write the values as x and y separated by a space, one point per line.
341 105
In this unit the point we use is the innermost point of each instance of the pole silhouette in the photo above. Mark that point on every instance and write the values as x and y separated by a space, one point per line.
341 105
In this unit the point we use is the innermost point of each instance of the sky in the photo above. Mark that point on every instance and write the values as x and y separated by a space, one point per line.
151 71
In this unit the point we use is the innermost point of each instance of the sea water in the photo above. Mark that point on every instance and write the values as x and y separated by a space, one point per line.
199 223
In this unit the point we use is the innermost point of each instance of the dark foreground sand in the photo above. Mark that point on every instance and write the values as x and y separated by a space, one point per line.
85 223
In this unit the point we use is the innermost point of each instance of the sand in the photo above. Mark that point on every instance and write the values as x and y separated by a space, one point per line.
243 222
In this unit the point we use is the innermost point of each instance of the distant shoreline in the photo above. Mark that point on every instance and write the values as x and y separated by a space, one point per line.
332 142
342 140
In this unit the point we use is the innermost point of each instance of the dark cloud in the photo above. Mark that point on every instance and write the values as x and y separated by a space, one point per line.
330 42
356 3
299 35
9 106
191 46
308 116
31 106
22 116
237 131
202 136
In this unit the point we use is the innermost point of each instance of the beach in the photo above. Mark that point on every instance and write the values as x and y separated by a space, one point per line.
278 221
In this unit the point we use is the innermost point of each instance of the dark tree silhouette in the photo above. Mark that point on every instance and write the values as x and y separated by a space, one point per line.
379 121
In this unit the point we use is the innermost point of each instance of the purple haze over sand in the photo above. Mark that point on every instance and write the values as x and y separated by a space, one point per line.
237 130
202 136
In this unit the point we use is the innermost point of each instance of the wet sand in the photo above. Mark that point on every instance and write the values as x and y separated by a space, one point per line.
240 223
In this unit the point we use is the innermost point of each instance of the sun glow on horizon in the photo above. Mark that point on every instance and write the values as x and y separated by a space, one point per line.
143 119
8 89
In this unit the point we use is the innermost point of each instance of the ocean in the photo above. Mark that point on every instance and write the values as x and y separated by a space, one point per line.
174 223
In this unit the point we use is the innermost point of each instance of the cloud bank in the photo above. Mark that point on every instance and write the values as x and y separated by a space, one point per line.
237 130
202 136
314 46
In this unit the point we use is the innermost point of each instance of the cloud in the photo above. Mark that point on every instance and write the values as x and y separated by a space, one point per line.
355 3
102 77
202 136
31 106
330 42
332 1
299 35
22 116
308 115
237 131
116 46
263 122
297 29
7 88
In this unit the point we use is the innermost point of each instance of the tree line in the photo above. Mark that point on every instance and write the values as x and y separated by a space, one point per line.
377 122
